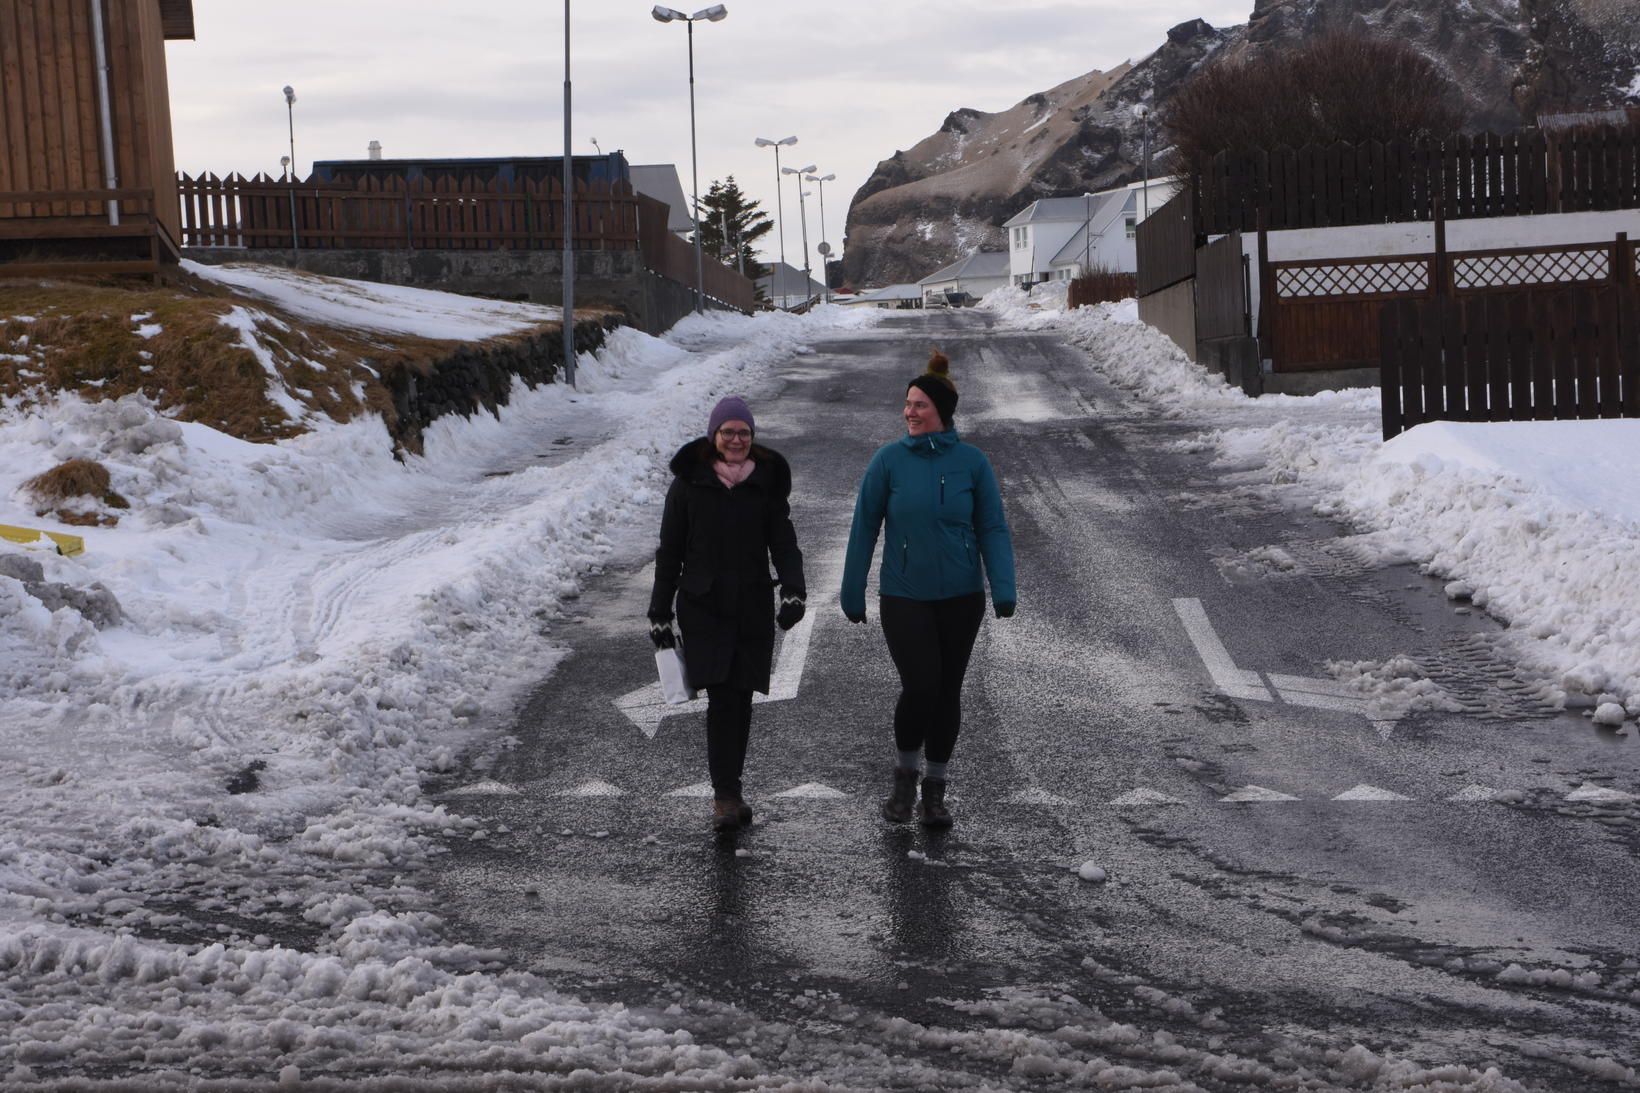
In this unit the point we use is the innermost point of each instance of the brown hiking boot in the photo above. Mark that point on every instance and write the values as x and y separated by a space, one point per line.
934 812
725 814
897 809
743 811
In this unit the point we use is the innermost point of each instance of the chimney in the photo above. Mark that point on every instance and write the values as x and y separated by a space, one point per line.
375 149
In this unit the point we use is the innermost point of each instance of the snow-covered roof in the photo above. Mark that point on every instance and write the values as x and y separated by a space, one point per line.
980 264
886 294
1106 209
660 181
1072 208
788 281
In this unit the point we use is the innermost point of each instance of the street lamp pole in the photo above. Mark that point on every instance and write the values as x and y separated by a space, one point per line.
567 264
290 120
821 181
803 219
779 200
713 14
1142 112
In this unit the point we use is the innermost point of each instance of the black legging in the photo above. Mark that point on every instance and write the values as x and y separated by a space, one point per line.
728 728
930 641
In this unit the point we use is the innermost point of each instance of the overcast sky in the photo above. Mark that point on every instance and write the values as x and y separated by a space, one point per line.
854 80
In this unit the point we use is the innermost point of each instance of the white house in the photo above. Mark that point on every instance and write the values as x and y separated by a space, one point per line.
972 276
784 286
1056 238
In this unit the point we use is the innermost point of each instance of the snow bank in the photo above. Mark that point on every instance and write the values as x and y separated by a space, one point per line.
319 625
1537 522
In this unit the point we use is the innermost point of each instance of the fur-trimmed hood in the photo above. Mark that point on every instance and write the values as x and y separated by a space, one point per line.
693 463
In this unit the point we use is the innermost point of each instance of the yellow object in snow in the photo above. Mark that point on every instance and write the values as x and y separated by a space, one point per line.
68 545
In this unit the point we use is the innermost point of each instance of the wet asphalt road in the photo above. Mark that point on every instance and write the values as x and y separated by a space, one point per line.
1278 932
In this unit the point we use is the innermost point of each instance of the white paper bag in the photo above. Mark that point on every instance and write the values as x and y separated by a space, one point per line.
674 680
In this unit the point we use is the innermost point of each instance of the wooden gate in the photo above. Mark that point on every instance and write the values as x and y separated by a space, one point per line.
1528 356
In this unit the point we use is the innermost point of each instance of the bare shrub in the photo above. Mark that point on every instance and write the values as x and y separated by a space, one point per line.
1101 286
73 491
1343 85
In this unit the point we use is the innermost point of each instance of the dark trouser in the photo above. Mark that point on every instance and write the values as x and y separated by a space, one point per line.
930 641
728 728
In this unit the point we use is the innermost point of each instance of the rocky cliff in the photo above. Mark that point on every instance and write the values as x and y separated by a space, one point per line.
927 206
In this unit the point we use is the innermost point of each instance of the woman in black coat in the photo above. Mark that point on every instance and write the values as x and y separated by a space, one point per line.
727 515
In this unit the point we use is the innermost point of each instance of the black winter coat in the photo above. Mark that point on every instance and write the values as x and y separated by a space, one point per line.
716 546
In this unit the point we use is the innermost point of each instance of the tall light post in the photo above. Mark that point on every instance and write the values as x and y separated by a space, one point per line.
803 219
779 202
290 181
713 14
567 263
820 181
1142 112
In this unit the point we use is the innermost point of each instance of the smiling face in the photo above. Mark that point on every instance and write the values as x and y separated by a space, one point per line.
733 441
920 415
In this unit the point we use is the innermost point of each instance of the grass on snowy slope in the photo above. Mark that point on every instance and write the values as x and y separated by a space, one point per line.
202 352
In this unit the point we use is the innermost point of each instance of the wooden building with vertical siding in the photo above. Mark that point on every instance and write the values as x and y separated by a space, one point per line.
87 171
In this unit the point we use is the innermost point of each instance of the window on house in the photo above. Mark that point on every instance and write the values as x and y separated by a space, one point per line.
1131 222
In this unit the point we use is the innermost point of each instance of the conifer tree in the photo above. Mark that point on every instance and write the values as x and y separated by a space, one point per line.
726 206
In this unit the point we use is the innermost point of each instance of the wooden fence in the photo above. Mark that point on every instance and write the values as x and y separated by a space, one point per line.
1166 242
670 256
1325 314
1571 353
395 214
1582 170
1221 290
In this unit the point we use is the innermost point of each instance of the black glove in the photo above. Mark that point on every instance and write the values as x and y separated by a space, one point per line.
1005 610
661 632
791 611
861 617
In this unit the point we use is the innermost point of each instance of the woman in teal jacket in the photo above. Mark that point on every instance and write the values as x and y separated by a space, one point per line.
943 511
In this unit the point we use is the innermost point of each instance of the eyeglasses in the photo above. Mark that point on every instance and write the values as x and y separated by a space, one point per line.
735 434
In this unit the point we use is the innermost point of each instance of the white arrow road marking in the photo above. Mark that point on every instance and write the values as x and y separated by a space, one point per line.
595 788
1369 793
812 791
1144 796
1474 793
1034 796
699 789
1254 795
1588 791
1316 694
1233 681
646 708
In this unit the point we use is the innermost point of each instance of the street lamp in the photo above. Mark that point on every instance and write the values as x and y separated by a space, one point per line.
713 14
566 264
821 181
779 202
290 178
803 219
1142 112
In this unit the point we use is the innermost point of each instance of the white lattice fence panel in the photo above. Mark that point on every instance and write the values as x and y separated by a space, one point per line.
1569 267
1385 278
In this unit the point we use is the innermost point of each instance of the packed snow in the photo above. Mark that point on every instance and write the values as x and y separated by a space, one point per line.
1536 522
327 626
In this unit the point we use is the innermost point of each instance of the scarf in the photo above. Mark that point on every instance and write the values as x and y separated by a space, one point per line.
733 474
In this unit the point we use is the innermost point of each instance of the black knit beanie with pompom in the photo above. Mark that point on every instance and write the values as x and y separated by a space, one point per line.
936 384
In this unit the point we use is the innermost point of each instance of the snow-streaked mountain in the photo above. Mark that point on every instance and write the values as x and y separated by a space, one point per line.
927 206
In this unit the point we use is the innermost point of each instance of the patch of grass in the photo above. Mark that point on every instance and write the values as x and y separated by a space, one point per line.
72 491
85 336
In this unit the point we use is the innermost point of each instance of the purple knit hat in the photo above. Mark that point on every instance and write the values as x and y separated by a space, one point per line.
732 408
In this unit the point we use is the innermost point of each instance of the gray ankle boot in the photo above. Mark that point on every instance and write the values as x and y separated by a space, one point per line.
897 809
934 812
